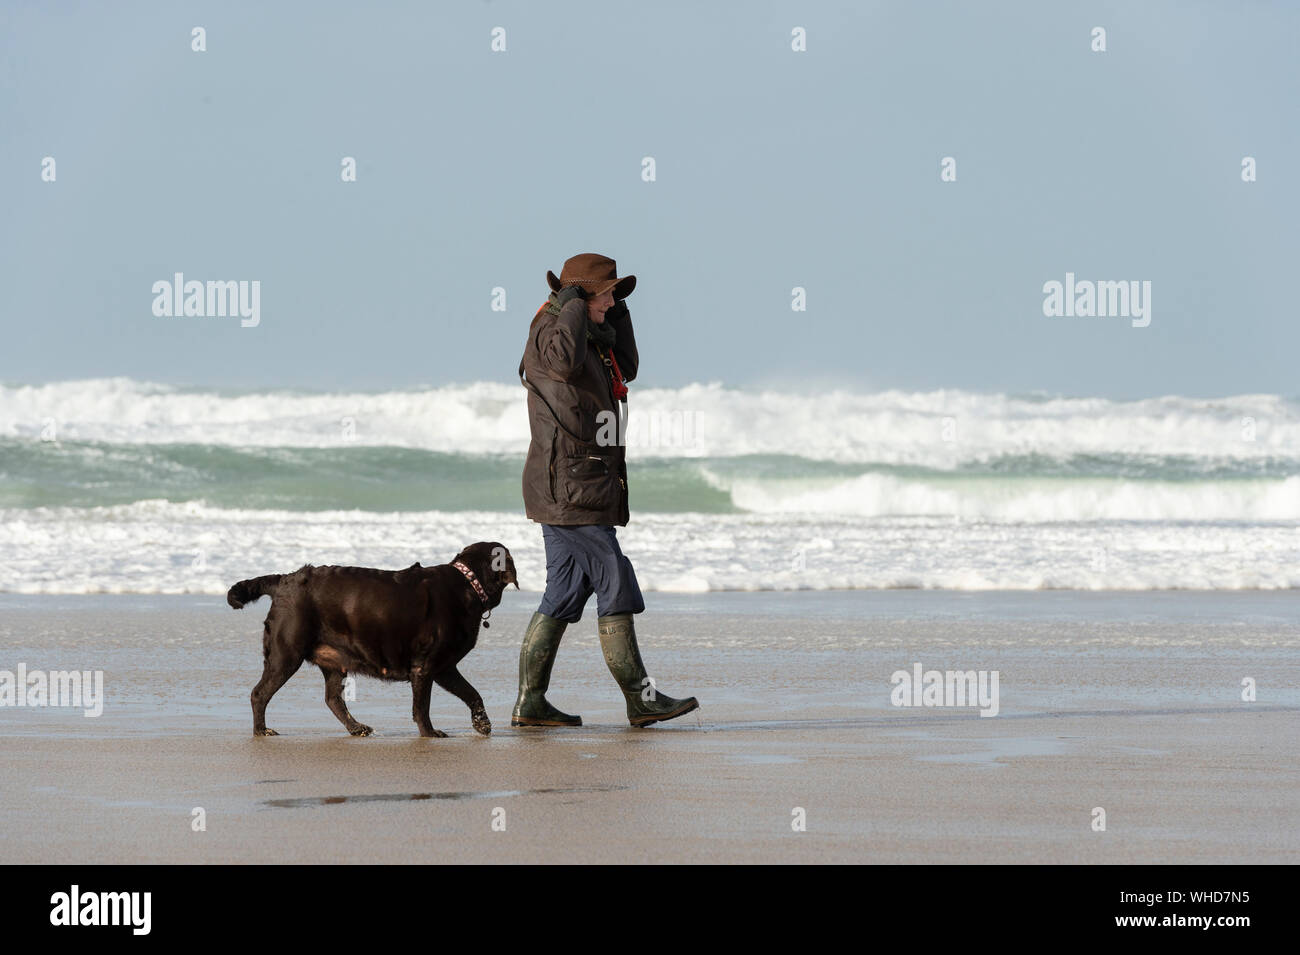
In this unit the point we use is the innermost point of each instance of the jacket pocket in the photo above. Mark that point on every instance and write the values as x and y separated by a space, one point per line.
587 481
550 464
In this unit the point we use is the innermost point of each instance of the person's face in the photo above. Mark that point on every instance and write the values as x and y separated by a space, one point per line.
596 307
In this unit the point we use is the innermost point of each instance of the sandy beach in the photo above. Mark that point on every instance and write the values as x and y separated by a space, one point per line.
1127 702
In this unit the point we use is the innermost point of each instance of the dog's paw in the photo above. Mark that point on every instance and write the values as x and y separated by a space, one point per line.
265 731
481 722
361 729
434 734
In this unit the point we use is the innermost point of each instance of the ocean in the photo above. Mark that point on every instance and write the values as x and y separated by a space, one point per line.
124 486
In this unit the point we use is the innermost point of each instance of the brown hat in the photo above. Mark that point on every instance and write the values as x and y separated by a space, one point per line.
593 273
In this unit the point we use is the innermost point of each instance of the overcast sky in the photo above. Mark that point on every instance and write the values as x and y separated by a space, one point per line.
774 169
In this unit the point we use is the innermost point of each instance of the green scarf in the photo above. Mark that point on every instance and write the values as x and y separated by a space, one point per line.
601 332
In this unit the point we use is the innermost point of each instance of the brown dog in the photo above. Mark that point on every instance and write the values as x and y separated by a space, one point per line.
414 624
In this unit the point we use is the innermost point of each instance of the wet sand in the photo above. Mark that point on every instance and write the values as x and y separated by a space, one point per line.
1126 702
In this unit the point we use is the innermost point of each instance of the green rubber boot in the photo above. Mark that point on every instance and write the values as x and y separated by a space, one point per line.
645 705
536 657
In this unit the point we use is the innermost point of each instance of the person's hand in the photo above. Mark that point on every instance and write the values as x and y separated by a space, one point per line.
568 294
616 311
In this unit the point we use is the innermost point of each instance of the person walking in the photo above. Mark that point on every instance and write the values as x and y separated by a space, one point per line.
580 354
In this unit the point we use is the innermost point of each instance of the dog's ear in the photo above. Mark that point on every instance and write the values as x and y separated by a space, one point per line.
503 566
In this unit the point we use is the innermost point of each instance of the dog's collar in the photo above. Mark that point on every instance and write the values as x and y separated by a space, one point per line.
478 588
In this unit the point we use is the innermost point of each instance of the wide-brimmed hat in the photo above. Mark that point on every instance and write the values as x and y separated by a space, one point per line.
593 273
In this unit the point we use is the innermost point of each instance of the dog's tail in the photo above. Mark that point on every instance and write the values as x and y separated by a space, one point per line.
246 591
